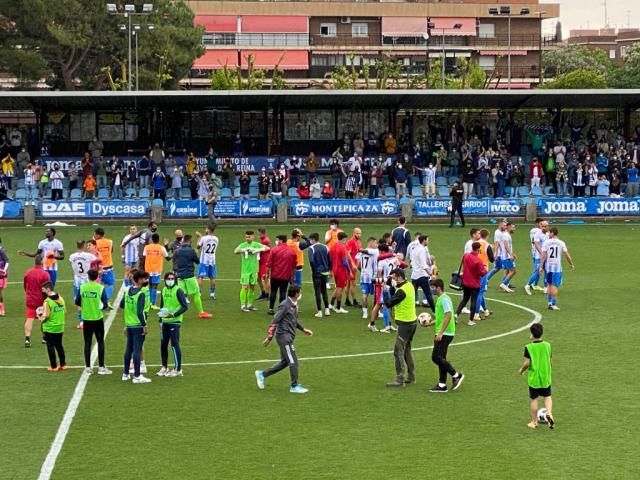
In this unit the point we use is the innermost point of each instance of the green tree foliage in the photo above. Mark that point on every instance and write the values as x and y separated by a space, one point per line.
72 42
578 79
238 79
628 74
575 57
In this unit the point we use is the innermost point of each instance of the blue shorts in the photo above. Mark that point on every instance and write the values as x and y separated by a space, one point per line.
497 264
53 276
76 291
536 264
154 279
207 271
297 278
367 288
554 279
108 277
130 264
508 264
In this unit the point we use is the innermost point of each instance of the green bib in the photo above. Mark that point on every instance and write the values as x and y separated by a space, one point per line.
91 301
405 311
147 299
451 327
131 309
55 320
170 302
539 373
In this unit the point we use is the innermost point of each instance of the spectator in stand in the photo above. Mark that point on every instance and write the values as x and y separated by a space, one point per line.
89 187
284 177
95 148
632 179
372 147
602 163
212 198
315 189
144 172
169 163
56 176
535 172
22 160
303 190
350 186
311 166
74 176
228 174
375 181
101 172
115 164
191 164
579 181
86 164
15 140
294 173
117 180
497 180
132 175
193 185
453 159
156 155
468 177
245 182
430 181
482 180
158 184
358 145
400 176
212 160
29 175
614 186
8 169
263 184
602 186
176 181
562 177
4 187
592 175
550 172
43 180
276 188
327 191
390 144
336 176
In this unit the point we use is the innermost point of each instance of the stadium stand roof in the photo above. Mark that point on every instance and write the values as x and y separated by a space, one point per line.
296 99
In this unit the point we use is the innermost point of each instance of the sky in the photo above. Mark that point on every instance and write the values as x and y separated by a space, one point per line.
590 14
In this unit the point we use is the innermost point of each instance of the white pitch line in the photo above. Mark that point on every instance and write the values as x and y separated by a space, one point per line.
76 398
537 316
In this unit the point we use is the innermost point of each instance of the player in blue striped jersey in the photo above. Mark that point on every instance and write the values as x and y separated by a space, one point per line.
537 235
208 244
129 253
551 262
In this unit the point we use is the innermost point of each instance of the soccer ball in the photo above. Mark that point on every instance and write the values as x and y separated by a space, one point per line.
424 318
40 312
542 415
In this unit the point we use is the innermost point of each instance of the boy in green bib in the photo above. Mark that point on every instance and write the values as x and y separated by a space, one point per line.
52 318
135 326
538 361
173 305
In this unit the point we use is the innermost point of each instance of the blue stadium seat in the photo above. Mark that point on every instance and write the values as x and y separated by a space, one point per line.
404 200
253 191
76 194
536 191
389 192
254 181
144 193
441 181
130 193
291 192
103 194
185 193
526 200
20 183
547 190
443 191
417 191
453 179
507 191
157 203
523 191
225 193
21 194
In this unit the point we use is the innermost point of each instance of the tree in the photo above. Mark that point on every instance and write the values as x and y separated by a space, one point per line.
77 40
575 57
628 75
578 79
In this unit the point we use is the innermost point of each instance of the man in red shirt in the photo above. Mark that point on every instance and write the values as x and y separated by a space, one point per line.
263 271
474 269
341 270
281 266
353 247
33 280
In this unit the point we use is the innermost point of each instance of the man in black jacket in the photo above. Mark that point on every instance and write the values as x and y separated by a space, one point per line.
284 326
457 196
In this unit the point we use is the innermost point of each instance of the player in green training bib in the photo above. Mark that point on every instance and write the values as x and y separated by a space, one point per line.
538 363
53 313
250 251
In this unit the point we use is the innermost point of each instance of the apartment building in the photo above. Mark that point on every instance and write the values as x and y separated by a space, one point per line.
613 41
305 40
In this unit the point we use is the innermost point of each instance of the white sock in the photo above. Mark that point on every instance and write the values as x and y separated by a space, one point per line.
442 385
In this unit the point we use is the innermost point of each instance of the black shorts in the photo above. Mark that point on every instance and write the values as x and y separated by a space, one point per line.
539 392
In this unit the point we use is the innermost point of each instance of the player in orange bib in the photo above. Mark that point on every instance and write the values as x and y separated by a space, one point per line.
330 239
104 246
154 255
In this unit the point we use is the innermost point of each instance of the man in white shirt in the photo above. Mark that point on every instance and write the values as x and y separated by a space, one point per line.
81 262
538 236
208 244
420 271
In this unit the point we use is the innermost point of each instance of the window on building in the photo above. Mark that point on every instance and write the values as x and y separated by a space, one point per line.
623 51
359 30
328 29
487 30
612 54
487 62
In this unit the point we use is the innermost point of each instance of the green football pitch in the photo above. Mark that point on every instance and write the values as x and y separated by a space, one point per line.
214 423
